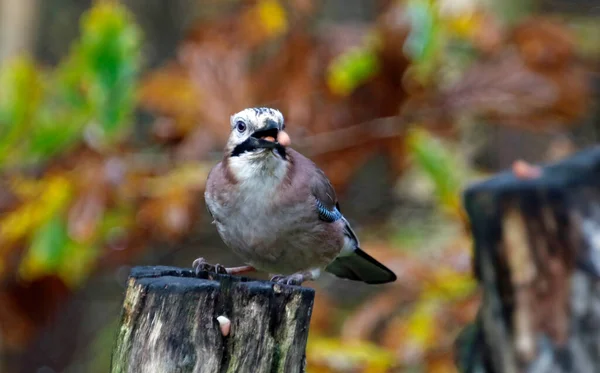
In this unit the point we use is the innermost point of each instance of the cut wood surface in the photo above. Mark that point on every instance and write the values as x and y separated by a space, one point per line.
169 324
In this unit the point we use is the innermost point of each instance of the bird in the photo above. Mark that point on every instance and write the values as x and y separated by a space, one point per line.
278 212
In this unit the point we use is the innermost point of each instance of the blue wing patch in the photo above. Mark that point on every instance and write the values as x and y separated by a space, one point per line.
328 215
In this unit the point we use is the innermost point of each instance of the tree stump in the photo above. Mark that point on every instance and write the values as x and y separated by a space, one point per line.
537 258
169 324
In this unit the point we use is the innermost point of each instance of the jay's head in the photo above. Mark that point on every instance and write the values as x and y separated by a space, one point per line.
257 132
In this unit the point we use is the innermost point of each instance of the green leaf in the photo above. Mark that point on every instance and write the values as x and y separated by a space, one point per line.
19 99
57 129
351 69
48 244
424 39
434 158
422 30
109 54
78 262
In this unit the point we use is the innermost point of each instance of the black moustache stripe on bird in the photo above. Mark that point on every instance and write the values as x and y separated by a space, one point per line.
256 141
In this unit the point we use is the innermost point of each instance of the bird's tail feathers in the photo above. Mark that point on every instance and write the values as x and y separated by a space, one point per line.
360 266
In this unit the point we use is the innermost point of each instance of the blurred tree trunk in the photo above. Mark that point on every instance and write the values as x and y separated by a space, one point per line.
537 257
587 7
18 27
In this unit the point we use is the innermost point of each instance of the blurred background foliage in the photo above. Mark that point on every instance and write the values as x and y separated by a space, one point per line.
113 112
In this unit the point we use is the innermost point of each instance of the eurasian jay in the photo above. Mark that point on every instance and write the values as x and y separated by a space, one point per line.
277 210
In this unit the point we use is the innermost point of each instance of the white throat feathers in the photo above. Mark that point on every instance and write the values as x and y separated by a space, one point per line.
262 171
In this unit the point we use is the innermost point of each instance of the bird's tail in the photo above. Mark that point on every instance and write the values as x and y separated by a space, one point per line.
360 266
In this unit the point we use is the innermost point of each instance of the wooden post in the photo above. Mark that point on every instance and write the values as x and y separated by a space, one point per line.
169 324
537 257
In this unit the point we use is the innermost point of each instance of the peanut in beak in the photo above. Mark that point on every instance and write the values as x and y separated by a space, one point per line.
283 138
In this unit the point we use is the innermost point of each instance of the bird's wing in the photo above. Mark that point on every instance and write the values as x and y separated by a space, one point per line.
212 216
216 182
328 207
323 190
352 263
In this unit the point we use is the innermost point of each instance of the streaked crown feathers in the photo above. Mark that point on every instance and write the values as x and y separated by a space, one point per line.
258 117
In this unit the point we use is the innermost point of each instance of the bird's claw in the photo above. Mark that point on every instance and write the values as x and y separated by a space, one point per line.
294 279
201 265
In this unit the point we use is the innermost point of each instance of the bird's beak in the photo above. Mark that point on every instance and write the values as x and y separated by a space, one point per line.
271 133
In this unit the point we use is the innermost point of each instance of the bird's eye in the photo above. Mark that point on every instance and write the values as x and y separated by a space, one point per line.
240 126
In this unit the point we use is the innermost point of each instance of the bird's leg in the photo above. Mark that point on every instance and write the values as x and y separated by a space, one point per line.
297 278
240 270
201 264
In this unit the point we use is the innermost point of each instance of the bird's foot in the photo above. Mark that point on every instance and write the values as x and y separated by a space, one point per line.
201 265
296 278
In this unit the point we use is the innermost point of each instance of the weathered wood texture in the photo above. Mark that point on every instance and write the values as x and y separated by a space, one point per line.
537 257
169 324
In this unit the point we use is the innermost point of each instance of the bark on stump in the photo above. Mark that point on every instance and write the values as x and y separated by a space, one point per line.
169 324
537 257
